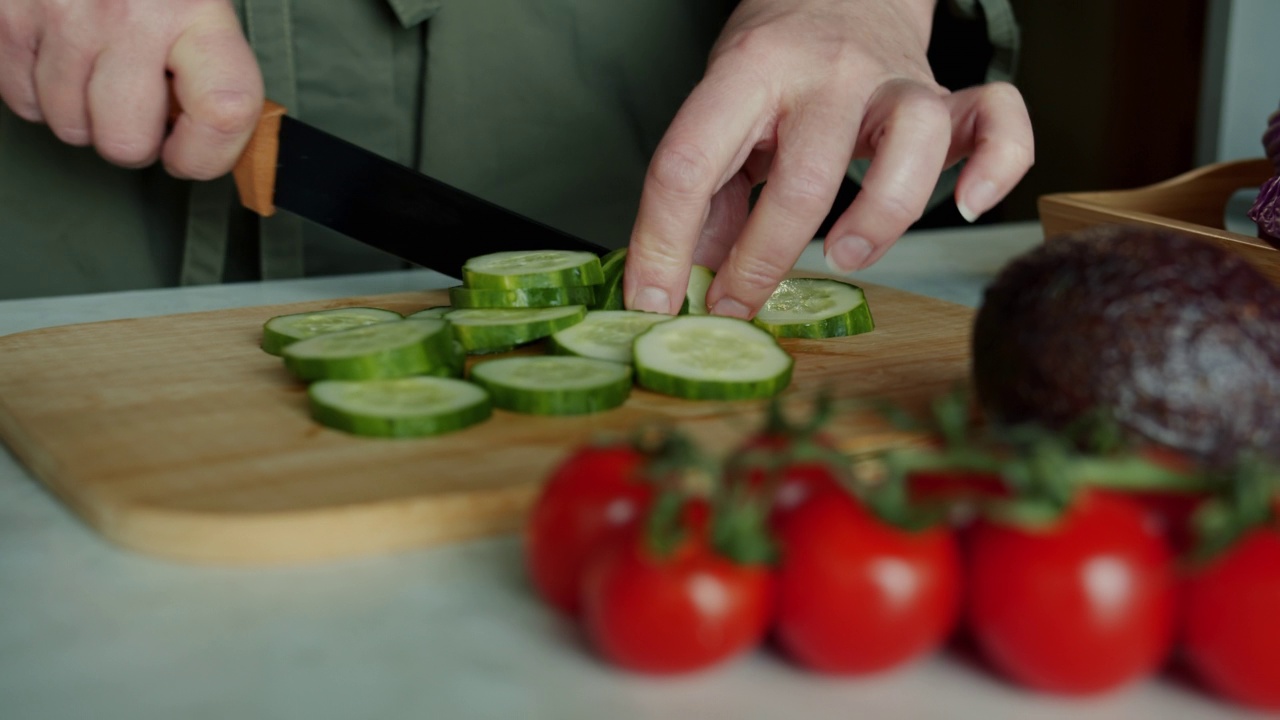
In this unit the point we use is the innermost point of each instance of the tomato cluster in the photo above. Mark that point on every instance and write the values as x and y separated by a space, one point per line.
789 549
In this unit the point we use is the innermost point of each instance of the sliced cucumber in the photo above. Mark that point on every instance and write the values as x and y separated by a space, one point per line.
695 297
710 357
385 350
815 308
465 297
401 407
554 384
605 334
532 269
487 330
283 330
438 311
609 296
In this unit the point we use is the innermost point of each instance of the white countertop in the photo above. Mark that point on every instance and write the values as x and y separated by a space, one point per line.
91 631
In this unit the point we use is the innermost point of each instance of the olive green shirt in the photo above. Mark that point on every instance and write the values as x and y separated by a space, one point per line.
551 108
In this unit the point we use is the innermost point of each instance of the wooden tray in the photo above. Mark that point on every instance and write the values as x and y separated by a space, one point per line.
177 436
1193 202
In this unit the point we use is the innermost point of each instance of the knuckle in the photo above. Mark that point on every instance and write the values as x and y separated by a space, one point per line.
896 209
922 113
750 46
759 272
229 113
806 189
683 169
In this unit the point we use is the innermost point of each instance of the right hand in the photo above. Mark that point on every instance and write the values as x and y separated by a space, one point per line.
95 72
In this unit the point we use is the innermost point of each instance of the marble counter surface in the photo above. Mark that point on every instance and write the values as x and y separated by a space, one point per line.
91 631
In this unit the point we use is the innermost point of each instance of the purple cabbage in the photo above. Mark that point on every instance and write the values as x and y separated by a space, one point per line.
1266 209
1271 140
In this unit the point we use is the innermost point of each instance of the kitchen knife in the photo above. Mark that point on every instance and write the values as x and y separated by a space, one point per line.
296 167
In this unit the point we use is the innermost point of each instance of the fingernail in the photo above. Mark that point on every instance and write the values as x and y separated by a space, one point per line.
652 299
978 200
728 307
848 254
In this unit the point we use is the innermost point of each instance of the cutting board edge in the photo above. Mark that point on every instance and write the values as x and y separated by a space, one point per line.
290 537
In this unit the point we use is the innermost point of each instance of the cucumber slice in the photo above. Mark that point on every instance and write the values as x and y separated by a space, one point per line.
398 408
465 297
386 350
695 297
605 334
710 357
283 330
532 269
487 330
554 384
438 311
815 308
609 296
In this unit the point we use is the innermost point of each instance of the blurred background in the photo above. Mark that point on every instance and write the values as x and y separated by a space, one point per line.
1124 93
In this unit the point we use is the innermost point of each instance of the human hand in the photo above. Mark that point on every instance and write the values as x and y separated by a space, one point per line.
95 72
794 90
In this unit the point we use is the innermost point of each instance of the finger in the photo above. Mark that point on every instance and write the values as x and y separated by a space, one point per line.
815 143
908 131
18 44
128 98
62 71
727 217
991 126
217 81
703 148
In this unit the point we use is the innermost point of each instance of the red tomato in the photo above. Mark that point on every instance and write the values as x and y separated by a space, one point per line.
677 614
592 495
797 480
1231 626
942 485
856 595
1082 606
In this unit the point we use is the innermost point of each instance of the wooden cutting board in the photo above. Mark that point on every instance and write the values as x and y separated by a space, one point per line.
177 436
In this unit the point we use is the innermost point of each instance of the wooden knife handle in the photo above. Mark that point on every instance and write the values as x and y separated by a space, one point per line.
255 170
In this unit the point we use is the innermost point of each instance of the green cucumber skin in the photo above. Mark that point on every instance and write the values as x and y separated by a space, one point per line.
486 339
672 385
589 274
439 311
854 323
401 362
609 296
274 342
465 297
556 402
430 357
369 426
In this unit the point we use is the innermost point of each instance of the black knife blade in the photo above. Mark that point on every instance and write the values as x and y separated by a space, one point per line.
369 198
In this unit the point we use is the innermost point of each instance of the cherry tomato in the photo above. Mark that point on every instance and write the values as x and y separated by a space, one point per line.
592 495
1082 606
1231 630
1171 511
944 485
856 595
796 480
675 614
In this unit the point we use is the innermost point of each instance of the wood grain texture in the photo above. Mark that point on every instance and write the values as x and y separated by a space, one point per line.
1193 203
177 436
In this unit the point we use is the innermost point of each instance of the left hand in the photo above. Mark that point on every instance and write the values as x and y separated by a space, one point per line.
794 90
